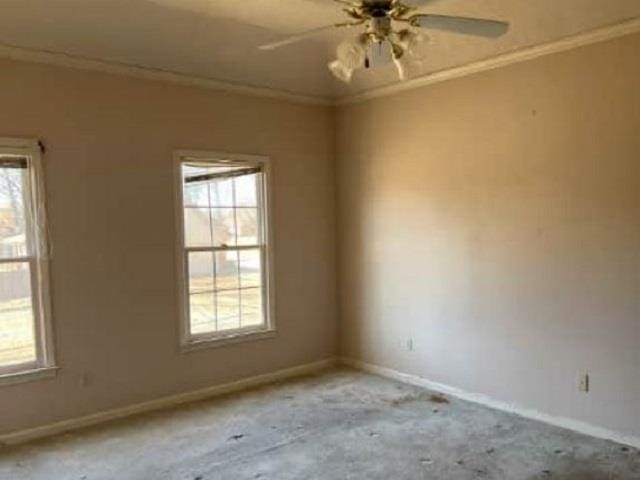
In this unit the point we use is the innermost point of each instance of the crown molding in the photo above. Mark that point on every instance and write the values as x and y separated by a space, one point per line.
626 27
83 63
609 32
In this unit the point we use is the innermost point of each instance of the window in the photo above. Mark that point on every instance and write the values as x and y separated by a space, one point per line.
25 336
224 249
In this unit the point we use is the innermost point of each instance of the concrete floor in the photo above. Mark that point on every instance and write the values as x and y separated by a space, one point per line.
339 425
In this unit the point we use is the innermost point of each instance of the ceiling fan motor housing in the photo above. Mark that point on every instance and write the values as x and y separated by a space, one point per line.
376 9
381 27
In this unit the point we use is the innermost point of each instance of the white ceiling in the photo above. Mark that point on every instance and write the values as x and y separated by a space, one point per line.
217 39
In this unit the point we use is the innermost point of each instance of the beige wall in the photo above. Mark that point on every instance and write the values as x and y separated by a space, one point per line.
495 220
110 198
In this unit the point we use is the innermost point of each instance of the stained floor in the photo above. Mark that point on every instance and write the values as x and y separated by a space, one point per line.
341 424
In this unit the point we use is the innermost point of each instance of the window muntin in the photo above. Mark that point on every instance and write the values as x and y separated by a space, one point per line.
25 337
224 247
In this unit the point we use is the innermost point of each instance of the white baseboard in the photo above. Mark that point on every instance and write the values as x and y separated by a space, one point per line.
21 436
562 422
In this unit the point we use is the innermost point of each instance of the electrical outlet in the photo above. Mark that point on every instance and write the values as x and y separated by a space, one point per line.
583 384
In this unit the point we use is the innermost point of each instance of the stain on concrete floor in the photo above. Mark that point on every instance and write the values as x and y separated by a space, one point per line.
341 425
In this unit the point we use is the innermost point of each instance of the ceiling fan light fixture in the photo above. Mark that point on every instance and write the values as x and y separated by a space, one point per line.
340 71
400 66
379 19
351 54
409 39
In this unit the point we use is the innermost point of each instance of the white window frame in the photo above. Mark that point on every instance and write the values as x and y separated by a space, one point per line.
188 341
38 259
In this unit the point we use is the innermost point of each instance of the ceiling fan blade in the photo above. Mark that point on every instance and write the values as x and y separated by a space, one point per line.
296 38
467 26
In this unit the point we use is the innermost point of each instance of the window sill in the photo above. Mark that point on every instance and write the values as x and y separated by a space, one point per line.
223 340
28 375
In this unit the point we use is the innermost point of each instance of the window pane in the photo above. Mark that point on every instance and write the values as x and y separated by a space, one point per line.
246 191
224 231
202 312
17 337
201 272
228 310
221 192
221 210
197 227
247 219
251 305
196 195
12 213
250 268
211 190
227 273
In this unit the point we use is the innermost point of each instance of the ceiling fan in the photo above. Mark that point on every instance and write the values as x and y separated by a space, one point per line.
381 19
